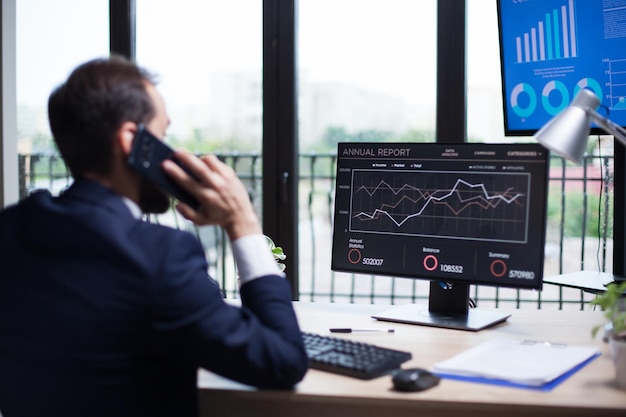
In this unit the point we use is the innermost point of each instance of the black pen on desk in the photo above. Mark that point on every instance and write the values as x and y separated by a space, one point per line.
349 330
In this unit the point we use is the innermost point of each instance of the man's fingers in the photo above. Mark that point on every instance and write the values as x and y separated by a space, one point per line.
215 165
197 171
194 165
179 175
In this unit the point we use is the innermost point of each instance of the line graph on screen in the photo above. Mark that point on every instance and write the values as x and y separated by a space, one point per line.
488 206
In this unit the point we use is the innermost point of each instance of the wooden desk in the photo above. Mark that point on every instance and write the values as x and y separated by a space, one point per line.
589 392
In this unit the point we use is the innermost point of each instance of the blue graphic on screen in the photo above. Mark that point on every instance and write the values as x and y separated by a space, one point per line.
550 49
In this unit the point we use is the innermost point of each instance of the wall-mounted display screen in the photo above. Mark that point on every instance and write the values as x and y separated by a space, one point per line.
550 49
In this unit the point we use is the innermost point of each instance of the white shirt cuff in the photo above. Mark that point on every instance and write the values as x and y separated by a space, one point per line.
254 258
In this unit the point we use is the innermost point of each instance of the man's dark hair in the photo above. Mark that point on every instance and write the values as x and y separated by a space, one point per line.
86 111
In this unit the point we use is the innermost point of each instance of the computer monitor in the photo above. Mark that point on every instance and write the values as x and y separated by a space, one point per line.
454 214
550 49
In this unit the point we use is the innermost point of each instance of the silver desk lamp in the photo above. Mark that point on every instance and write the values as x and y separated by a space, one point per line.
567 133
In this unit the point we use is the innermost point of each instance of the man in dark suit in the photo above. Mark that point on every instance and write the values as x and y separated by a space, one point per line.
103 314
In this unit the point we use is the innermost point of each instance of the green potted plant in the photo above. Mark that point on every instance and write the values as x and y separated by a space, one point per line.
613 303
278 253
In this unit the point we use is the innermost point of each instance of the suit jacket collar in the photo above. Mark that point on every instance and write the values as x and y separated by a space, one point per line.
65 225
94 193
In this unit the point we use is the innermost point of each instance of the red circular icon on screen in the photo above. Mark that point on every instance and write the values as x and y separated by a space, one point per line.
354 256
498 268
431 262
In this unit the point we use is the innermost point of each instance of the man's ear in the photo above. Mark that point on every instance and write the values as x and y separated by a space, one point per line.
125 136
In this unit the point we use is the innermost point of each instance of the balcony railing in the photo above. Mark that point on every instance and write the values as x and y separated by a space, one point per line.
579 235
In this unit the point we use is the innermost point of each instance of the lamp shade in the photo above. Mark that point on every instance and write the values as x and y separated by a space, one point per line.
567 133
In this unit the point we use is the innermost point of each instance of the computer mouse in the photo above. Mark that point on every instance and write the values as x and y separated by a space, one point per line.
413 379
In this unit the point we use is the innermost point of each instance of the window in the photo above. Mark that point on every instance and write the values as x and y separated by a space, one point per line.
366 71
52 39
208 55
484 92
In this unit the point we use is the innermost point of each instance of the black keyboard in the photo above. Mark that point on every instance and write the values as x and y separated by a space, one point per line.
351 358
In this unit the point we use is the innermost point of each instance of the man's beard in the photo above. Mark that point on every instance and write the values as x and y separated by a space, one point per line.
151 199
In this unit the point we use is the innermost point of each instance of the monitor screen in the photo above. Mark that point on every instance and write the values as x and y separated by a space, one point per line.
550 49
455 214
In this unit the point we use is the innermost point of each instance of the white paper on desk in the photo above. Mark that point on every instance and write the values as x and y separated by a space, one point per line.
529 363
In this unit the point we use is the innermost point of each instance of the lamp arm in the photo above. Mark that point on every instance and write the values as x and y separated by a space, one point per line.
617 131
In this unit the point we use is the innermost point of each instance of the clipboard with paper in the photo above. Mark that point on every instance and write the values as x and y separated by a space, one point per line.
517 363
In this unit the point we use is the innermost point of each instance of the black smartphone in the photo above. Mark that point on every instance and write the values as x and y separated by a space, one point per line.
146 156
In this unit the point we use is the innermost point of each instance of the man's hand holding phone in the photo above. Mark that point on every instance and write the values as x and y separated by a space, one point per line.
223 199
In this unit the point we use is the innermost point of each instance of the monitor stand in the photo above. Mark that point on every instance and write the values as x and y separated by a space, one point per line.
448 307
